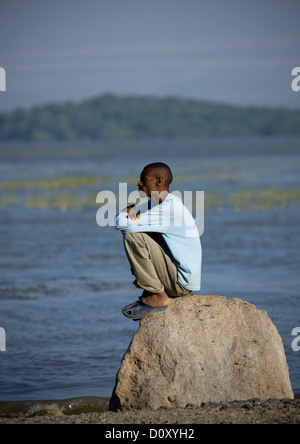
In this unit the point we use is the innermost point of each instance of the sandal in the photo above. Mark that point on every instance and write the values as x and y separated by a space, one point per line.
140 309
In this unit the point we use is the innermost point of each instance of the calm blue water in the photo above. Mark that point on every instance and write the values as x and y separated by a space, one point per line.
64 279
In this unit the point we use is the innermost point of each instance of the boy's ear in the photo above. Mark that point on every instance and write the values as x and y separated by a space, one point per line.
159 181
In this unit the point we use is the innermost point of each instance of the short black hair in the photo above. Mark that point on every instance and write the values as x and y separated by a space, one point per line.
168 176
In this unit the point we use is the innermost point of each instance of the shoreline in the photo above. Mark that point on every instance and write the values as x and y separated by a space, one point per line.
253 411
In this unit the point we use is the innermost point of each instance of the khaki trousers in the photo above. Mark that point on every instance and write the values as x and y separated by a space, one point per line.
152 267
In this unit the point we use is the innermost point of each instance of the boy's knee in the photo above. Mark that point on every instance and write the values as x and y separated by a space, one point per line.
134 239
129 236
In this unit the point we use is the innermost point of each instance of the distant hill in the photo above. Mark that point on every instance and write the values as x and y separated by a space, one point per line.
119 117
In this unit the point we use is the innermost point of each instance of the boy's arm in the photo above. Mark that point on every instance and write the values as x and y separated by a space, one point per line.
132 219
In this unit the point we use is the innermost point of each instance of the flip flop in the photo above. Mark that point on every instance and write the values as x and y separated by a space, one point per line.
139 309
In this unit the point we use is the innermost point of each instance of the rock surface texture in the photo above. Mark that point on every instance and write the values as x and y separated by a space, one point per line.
203 348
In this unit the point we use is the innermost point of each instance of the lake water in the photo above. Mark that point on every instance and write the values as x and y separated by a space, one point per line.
64 279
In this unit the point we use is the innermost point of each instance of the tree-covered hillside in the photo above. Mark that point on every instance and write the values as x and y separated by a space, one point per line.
114 117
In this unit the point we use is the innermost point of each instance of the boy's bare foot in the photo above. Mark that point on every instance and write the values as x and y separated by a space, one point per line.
157 299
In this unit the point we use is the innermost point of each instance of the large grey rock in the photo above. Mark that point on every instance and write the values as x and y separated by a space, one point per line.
202 348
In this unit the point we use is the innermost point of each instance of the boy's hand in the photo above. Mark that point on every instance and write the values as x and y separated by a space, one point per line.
132 214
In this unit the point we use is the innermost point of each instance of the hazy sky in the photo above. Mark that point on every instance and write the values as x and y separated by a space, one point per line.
234 51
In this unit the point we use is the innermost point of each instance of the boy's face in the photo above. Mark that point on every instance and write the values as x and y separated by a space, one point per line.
148 181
